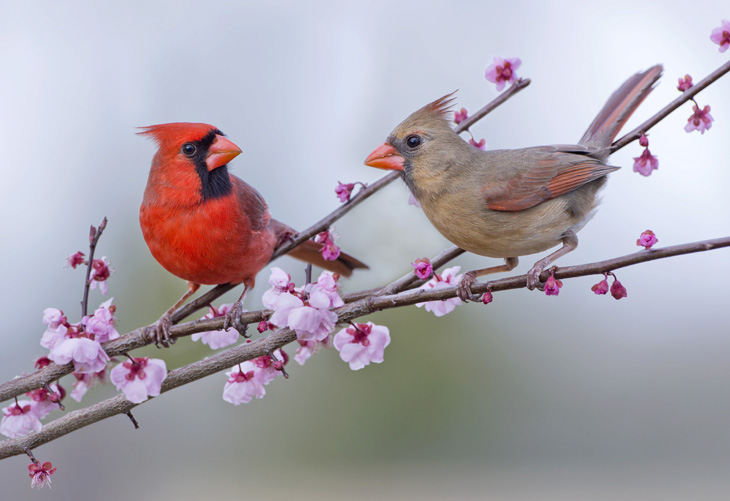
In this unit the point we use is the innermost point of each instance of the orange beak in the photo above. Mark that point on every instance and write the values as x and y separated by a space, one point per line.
385 157
221 152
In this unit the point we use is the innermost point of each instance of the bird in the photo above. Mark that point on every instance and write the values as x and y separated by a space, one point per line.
207 226
508 203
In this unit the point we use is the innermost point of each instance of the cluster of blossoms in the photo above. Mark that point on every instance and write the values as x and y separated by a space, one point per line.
329 251
460 116
700 119
248 379
617 289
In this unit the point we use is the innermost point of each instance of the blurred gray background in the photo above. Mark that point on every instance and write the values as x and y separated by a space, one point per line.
531 397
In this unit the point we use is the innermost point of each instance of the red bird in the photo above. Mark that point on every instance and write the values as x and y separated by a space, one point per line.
207 226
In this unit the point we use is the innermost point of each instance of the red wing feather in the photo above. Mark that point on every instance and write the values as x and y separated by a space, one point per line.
544 182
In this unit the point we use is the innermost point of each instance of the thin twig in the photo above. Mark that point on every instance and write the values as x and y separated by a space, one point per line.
238 354
94 235
504 96
664 112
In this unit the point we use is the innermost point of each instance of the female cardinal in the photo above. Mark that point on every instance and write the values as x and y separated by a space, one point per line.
207 226
507 203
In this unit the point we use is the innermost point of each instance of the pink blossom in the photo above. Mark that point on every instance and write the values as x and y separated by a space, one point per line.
329 251
42 362
412 201
84 382
685 83
487 297
643 140
263 326
100 272
40 475
139 378
601 287
101 323
53 318
618 291
361 344
280 282
460 116
242 385
447 278
75 259
647 239
721 35
423 268
266 369
44 402
700 120
646 163
217 339
308 348
86 354
502 71
19 419
307 310
481 144
343 191
52 337
552 286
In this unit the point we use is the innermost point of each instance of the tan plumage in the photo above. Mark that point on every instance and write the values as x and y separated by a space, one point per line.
508 203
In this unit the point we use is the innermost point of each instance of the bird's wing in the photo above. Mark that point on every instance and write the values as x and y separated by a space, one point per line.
252 204
543 173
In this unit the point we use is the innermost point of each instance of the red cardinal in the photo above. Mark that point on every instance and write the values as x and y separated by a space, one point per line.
207 226
507 203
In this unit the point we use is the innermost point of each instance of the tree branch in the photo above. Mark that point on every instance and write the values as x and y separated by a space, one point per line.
238 354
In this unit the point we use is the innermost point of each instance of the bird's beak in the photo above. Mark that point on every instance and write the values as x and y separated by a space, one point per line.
385 157
221 152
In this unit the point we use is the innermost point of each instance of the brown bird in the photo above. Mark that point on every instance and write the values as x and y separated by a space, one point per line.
207 226
507 203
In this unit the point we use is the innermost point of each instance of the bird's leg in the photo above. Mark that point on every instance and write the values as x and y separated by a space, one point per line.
159 332
233 317
463 290
570 242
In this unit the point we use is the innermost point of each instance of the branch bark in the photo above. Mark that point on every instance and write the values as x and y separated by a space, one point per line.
247 351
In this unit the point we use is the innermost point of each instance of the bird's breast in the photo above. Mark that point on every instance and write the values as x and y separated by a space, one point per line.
208 243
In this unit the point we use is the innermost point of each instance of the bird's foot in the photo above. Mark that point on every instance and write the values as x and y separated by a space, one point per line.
533 278
233 319
159 332
463 290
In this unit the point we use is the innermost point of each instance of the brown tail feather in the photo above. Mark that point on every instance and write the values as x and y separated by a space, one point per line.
620 106
309 251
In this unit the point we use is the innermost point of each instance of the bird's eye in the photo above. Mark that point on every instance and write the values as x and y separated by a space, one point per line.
189 149
413 141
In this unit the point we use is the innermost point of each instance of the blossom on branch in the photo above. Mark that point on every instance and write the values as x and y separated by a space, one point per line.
482 144
139 378
329 251
552 285
308 348
101 323
460 116
721 35
502 71
242 385
646 162
601 288
40 475
361 344
221 338
19 419
700 120
423 268
618 291
447 278
685 83
86 354
647 239
100 272
75 259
